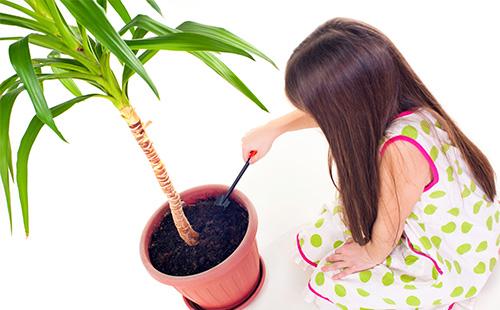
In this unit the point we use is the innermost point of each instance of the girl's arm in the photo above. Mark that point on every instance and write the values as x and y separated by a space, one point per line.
404 173
294 120
262 138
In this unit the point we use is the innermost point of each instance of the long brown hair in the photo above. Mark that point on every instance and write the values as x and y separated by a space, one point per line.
353 81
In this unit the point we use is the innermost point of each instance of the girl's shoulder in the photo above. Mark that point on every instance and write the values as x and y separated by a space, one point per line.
419 126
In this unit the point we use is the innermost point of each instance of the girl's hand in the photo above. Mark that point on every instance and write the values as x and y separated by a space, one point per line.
259 139
349 258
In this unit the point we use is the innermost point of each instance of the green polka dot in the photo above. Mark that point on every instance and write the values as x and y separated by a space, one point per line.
388 278
438 285
413 216
320 278
493 262
482 246
472 186
365 275
489 223
362 292
466 227
445 147
425 126
410 287
439 257
449 172
426 243
407 278
449 228
497 216
316 240
459 169
435 273
301 242
497 243
457 291
464 248
465 192
337 243
438 124
413 301
480 268
410 260
319 222
388 261
436 241
471 292
448 264
434 153
389 301
477 206
437 194
454 211
436 302
422 225
458 268
340 290
430 209
337 209
341 306
409 131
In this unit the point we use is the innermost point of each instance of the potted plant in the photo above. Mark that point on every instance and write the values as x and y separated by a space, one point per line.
82 52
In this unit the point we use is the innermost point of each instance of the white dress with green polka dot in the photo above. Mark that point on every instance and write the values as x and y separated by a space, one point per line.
449 245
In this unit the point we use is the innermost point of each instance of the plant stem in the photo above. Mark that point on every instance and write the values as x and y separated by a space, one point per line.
186 232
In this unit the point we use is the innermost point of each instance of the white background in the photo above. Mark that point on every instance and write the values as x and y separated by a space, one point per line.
91 198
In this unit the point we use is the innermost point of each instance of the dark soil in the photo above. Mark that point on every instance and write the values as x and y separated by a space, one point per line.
221 231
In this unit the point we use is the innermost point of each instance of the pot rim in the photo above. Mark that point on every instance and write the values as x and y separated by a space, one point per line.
228 263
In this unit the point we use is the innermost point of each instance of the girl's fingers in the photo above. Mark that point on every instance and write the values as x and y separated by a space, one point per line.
335 266
334 257
343 273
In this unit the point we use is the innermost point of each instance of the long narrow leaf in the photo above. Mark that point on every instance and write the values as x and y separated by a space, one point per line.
149 24
185 42
8 83
121 10
92 16
20 59
24 152
13 20
224 36
218 66
155 6
6 103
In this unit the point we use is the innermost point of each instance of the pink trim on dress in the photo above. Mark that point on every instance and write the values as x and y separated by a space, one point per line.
451 306
435 174
316 293
303 255
423 254
406 112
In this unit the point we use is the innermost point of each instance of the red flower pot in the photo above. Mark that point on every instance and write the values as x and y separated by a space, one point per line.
227 285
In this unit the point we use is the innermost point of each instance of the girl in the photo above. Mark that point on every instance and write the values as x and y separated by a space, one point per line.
415 222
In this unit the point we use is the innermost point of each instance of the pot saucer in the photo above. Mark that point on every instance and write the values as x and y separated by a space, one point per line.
262 276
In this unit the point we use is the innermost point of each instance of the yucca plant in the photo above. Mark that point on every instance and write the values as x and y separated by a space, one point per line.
82 52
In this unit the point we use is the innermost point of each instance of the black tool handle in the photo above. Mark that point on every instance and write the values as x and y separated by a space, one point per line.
252 154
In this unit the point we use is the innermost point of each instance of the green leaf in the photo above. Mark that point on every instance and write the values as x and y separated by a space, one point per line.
69 84
92 17
103 4
24 152
121 10
185 42
221 69
155 6
21 62
149 24
223 35
6 103
8 83
13 20
62 26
